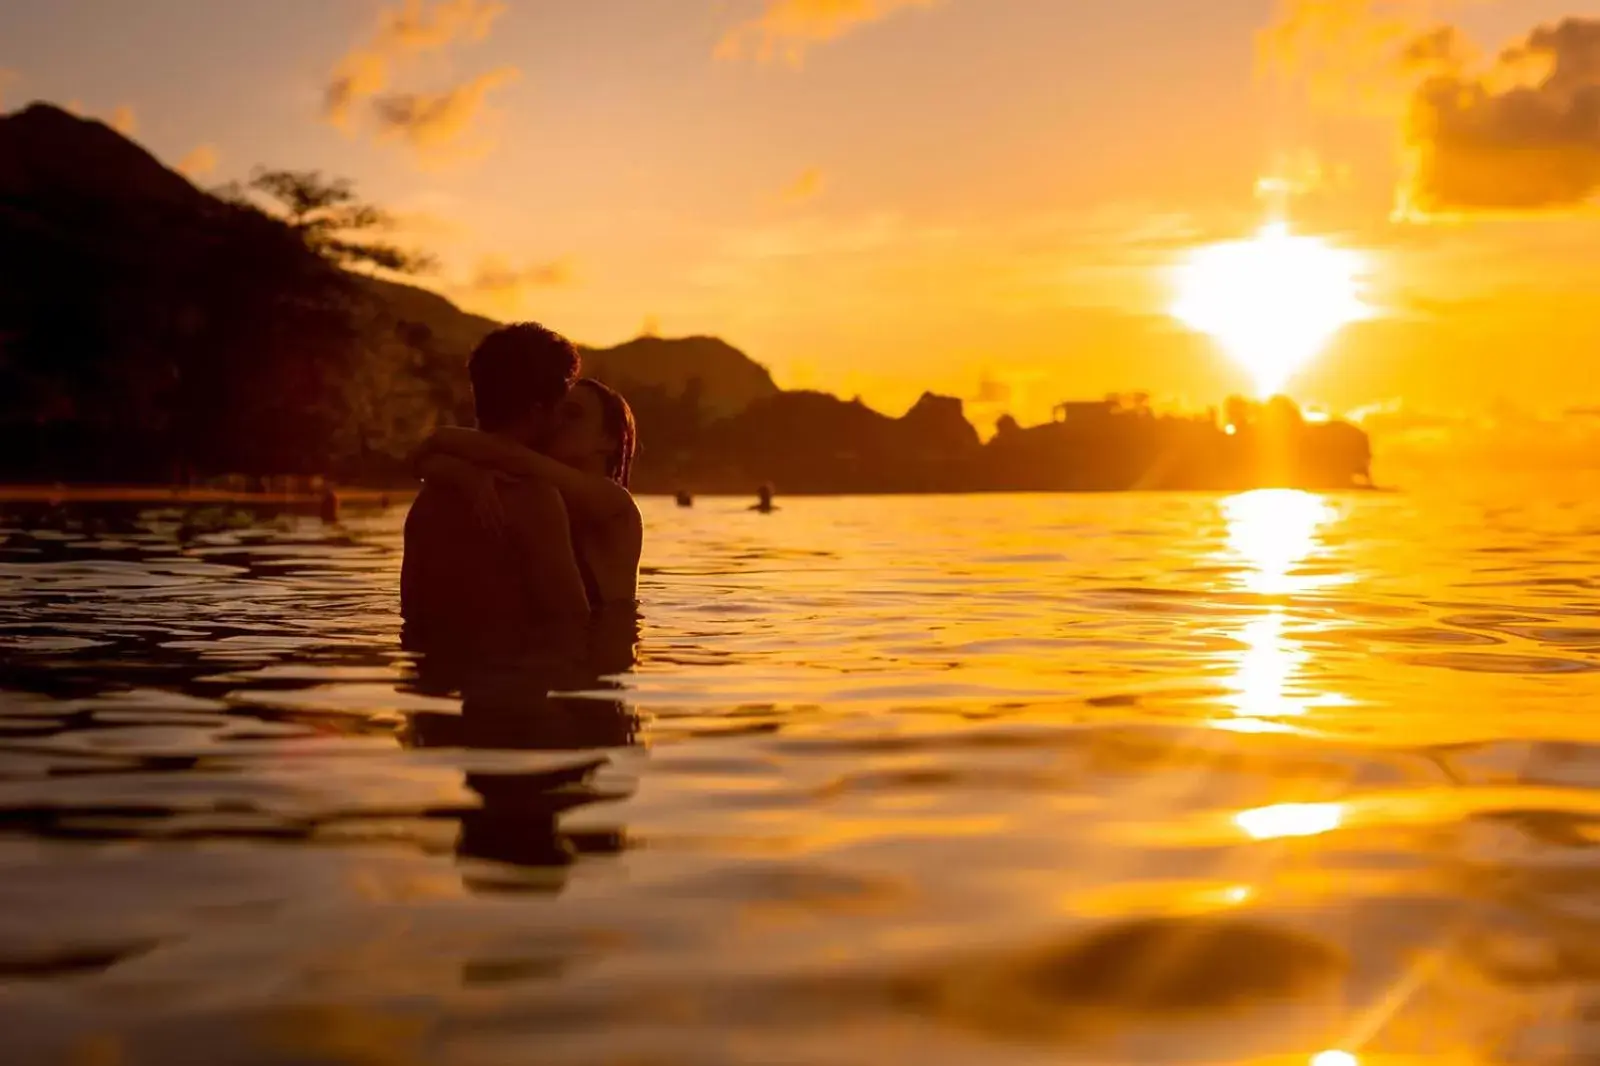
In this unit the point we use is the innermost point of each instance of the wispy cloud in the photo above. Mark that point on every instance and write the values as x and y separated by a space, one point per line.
435 122
805 188
439 124
1348 54
504 288
1505 438
1014 390
124 120
199 163
415 29
430 216
786 28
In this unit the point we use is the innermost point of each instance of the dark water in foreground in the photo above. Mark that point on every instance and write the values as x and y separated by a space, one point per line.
999 780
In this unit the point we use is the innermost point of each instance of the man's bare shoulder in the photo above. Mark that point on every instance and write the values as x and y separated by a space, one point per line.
437 514
532 502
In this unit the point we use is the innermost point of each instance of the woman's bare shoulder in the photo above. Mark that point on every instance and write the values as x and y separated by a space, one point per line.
628 513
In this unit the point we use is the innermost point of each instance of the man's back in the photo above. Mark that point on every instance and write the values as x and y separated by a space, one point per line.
463 587
459 583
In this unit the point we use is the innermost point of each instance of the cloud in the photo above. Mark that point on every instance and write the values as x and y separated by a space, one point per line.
1503 438
1347 54
1441 50
124 120
1014 389
432 217
807 187
991 393
199 163
1521 135
413 29
1519 132
787 27
438 124
1298 178
431 121
8 78
500 286
360 75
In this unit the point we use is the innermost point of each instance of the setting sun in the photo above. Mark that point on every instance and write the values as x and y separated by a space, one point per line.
1273 301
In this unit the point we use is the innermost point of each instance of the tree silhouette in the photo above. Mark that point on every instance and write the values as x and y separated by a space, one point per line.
1239 412
327 217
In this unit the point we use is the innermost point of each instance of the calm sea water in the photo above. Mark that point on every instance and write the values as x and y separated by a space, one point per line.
935 780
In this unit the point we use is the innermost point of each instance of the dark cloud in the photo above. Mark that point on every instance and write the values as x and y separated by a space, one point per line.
1522 136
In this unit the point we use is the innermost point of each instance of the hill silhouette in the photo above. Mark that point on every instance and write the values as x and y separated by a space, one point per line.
724 379
152 331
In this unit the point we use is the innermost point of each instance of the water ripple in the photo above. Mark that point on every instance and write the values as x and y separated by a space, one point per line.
998 780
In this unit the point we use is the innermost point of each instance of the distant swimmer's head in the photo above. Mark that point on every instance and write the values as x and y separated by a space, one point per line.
520 376
596 432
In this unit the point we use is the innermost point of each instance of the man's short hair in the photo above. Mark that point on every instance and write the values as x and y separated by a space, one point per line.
518 368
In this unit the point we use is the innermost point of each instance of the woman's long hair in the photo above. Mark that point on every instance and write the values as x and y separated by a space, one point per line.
617 418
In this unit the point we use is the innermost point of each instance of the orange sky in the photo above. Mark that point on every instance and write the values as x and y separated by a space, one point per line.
982 197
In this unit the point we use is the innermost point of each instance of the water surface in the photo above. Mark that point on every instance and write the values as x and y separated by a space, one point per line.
946 780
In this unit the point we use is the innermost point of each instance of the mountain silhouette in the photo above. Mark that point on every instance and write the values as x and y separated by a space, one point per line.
152 331
723 379
727 380
52 155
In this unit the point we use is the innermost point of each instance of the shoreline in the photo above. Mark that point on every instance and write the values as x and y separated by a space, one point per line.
173 494
180 494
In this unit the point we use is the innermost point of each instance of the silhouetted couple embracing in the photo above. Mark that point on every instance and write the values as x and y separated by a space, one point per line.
524 526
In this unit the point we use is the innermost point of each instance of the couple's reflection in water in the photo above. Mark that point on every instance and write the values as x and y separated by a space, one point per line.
548 693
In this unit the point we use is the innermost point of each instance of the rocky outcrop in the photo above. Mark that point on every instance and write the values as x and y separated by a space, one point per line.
719 377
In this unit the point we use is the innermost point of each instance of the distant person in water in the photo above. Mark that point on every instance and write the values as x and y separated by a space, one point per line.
764 502
472 584
685 498
587 460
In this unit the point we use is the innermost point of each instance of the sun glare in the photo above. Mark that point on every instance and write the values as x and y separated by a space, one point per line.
1334 1058
1273 301
1290 820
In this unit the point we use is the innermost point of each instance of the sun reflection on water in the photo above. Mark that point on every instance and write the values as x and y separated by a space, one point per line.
1290 820
1273 532
1334 1058
1272 535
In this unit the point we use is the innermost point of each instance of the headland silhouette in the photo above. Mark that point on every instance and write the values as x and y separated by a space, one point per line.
153 332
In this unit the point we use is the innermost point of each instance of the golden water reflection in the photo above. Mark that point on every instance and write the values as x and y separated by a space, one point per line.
1290 820
1274 533
1274 538
1334 1058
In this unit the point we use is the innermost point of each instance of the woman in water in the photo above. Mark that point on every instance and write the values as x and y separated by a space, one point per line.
588 461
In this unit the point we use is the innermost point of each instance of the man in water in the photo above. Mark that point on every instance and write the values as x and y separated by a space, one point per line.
465 584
